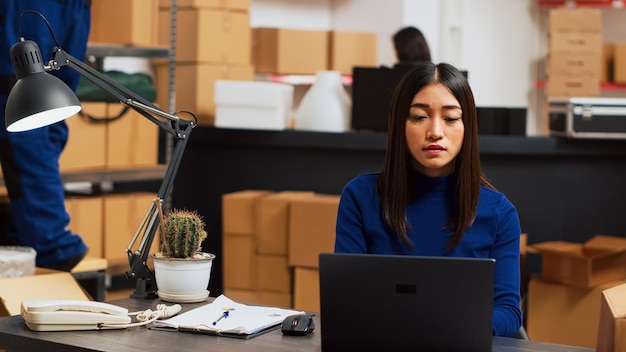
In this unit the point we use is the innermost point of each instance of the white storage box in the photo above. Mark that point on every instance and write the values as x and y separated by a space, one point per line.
253 105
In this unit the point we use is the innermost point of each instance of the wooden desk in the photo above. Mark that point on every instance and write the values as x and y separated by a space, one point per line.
16 337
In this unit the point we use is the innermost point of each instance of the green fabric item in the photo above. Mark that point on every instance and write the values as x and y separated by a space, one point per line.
139 83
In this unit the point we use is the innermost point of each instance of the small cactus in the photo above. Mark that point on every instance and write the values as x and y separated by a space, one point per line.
182 233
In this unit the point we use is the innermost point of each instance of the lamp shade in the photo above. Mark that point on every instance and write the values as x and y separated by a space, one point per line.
37 99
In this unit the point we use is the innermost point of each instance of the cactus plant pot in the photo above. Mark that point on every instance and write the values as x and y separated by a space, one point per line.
183 280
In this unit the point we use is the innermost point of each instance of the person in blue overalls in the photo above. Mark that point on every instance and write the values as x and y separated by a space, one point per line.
30 160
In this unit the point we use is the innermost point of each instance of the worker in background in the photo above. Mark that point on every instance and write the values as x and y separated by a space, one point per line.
410 46
30 160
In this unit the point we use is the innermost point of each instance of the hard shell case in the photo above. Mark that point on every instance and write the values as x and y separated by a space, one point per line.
581 117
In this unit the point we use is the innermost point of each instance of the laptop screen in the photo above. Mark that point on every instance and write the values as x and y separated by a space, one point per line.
405 303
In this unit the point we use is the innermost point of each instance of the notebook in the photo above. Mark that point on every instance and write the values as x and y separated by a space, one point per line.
405 303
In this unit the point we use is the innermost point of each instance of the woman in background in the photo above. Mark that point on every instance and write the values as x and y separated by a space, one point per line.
410 46
431 198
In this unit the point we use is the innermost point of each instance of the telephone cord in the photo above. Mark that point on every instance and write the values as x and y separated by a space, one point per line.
148 316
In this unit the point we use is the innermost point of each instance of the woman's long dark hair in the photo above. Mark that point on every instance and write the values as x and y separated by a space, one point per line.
395 186
411 45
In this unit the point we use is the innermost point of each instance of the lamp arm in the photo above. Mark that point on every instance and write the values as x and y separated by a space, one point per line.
180 129
61 58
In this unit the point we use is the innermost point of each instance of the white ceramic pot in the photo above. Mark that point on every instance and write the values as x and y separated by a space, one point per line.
183 280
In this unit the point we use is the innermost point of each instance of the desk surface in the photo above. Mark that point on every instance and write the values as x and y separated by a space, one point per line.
16 337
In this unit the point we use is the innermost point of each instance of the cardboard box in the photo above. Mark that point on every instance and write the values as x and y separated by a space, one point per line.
195 86
132 140
575 43
573 85
306 292
349 49
575 63
619 63
87 220
601 259
239 262
122 217
86 144
125 22
238 212
607 65
268 105
221 4
289 51
570 20
273 274
45 284
250 297
562 314
205 35
612 327
272 221
312 222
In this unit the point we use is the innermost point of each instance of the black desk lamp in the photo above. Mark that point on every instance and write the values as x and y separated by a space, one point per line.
38 99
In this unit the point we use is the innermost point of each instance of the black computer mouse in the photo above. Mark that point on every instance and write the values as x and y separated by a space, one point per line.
299 324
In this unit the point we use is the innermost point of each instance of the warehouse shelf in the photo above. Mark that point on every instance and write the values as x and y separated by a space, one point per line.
613 4
607 86
618 4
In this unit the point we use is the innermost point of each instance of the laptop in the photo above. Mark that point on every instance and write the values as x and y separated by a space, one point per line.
405 303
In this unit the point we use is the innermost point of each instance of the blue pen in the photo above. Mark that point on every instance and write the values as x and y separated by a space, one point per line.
224 315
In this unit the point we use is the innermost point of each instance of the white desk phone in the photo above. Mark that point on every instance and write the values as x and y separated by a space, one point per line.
65 315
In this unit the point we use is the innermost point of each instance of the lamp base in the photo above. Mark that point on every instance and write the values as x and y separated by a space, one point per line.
144 289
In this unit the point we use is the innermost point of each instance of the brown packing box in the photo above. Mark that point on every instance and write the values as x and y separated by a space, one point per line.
349 49
582 20
239 262
306 291
238 212
45 284
575 63
599 260
132 140
612 327
122 216
195 86
273 299
619 63
273 274
289 51
558 313
86 219
272 221
221 4
125 22
205 35
312 223
86 144
573 85
575 43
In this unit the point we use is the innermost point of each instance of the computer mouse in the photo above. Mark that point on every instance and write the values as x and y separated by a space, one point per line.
298 325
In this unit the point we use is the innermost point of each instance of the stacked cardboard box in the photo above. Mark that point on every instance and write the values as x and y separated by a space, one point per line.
564 303
271 245
249 276
212 42
99 140
124 22
312 223
298 51
574 52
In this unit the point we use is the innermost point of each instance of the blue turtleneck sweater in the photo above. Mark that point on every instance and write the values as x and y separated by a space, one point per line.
494 234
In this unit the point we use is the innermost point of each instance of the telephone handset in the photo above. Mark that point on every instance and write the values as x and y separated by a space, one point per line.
63 315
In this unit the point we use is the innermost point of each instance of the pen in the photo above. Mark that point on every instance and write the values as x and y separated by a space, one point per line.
224 315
